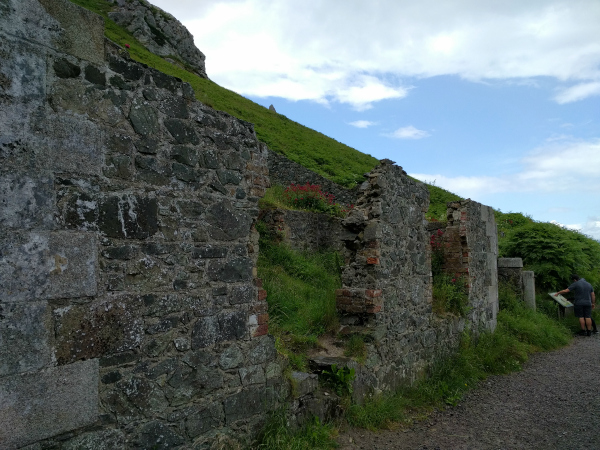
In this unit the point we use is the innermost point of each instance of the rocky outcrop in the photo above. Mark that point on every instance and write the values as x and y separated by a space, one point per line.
160 32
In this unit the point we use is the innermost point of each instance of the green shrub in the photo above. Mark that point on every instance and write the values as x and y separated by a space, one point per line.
339 379
553 253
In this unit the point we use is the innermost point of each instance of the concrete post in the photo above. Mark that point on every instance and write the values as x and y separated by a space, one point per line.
529 288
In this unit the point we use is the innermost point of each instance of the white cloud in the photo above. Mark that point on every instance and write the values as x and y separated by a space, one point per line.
564 167
348 50
592 227
578 92
361 123
576 226
408 132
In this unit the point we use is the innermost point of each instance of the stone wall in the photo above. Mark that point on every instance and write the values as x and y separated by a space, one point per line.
308 231
472 251
510 271
284 171
130 315
387 285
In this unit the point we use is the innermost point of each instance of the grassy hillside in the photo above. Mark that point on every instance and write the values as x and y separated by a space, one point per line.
324 155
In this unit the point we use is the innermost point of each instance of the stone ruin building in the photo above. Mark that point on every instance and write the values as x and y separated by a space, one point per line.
131 315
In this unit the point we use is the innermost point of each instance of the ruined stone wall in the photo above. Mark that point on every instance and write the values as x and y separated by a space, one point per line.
472 251
284 171
130 315
308 231
387 285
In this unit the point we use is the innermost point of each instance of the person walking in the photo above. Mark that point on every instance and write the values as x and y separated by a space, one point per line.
584 301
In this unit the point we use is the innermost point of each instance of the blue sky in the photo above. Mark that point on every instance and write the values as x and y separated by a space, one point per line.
495 101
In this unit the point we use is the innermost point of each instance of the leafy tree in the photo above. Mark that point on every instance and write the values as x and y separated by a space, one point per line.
553 253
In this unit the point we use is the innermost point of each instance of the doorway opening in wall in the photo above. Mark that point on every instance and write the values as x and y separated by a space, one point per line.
450 291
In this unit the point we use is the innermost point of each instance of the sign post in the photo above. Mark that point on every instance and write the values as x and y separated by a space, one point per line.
565 307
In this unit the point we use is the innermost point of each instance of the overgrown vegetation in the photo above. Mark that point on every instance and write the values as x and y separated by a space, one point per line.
308 197
520 331
315 151
339 379
450 291
356 348
301 291
278 435
553 253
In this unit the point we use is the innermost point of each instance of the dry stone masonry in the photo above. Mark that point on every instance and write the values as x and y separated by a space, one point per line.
130 311
472 250
130 315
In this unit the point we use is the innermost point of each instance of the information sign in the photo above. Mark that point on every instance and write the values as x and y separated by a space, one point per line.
560 300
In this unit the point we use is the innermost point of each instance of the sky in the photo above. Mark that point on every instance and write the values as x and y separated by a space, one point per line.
494 101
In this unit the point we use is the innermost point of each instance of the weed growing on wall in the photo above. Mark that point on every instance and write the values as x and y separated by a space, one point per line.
339 379
356 348
301 295
450 292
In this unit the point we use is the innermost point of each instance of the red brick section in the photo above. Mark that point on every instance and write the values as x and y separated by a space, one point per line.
261 330
357 301
260 309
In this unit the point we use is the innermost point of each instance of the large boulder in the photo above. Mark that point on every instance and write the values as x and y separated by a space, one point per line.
160 32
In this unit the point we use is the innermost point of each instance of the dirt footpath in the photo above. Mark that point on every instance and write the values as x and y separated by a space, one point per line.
553 403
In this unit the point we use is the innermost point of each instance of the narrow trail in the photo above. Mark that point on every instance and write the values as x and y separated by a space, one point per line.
553 403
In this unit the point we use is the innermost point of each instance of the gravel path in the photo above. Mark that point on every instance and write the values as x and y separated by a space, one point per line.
553 403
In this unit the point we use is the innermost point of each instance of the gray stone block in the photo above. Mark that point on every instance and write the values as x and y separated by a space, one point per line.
529 288
26 202
100 440
245 404
101 328
82 33
68 144
304 383
24 337
510 263
40 405
47 265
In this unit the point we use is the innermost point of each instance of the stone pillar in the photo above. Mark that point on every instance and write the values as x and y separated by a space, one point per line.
510 270
529 288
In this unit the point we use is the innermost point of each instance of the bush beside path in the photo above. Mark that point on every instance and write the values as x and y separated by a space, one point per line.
553 403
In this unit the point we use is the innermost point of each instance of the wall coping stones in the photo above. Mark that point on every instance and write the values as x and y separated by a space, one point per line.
510 263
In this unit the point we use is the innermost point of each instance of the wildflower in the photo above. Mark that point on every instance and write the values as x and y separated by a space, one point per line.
126 45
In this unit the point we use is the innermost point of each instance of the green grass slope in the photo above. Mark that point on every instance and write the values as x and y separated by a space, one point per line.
313 150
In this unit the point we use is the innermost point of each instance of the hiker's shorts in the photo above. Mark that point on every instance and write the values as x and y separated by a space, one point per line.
583 311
